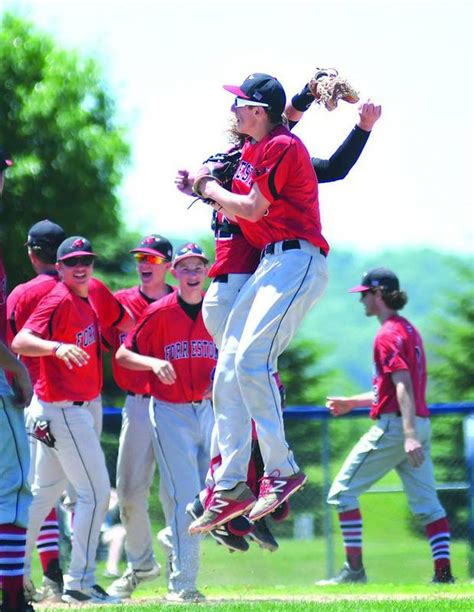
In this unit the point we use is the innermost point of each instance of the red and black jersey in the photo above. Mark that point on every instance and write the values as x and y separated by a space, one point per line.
65 317
20 304
398 346
234 255
165 331
281 167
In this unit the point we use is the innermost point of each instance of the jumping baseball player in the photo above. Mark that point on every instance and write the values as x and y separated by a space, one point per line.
275 201
171 341
236 260
400 438
64 331
15 495
43 241
136 459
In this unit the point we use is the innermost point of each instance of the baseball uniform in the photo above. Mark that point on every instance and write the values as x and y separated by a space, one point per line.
182 421
63 397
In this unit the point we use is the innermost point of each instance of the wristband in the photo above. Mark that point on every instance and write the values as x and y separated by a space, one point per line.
57 347
303 100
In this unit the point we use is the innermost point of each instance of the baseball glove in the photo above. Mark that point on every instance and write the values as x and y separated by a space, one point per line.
42 432
328 88
220 167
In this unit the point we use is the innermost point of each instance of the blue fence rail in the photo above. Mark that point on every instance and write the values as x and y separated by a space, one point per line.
113 416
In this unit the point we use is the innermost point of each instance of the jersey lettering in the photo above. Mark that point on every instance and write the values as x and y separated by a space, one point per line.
244 172
87 336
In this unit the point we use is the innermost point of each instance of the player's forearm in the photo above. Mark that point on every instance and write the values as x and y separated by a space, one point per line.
133 361
406 401
361 400
28 344
343 159
251 206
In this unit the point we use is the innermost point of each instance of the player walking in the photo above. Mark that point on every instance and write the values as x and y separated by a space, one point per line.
401 437
136 459
275 201
43 241
170 340
15 495
64 331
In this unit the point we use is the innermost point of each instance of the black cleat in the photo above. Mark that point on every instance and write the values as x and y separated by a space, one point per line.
263 536
234 543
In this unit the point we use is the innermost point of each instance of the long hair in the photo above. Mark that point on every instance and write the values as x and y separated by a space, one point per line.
395 300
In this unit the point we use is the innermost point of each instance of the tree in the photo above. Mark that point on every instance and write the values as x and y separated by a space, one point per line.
58 124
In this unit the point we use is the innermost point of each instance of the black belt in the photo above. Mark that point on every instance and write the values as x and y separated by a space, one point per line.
287 245
221 278
135 394
397 413
78 403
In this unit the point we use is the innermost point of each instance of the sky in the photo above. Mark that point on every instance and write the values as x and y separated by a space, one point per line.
165 63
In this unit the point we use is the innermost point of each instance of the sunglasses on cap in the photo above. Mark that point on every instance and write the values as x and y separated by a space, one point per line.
147 258
239 102
81 260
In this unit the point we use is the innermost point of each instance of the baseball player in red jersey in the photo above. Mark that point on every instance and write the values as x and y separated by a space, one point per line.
171 340
136 459
43 241
15 495
275 201
400 438
64 331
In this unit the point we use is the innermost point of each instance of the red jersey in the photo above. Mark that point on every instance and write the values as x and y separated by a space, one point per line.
281 167
20 304
64 316
135 301
398 346
234 255
165 331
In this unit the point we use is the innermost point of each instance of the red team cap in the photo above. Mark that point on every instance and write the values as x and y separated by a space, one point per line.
5 161
261 90
74 247
190 249
154 244
377 277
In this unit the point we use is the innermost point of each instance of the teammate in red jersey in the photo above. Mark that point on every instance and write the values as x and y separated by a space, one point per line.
43 241
274 198
400 439
136 459
172 342
64 331
15 495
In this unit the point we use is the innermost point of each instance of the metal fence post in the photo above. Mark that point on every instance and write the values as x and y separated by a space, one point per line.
469 455
327 513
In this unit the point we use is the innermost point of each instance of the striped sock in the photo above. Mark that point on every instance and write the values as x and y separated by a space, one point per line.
12 564
48 544
351 527
438 535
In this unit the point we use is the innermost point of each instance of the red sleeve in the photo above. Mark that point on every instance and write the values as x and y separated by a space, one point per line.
391 353
271 172
45 316
109 310
143 336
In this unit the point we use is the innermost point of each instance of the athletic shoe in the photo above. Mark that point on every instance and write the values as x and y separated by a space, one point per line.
50 590
93 595
124 586
233 542
29 590
195 509
274 490
222 507
185 596
281 512
444 576
346 576
263 536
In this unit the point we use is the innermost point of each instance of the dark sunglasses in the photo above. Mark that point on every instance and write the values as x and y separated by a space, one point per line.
84 260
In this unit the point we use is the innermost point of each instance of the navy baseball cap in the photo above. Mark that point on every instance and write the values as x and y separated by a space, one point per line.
190 249
45 234
5 161
378 277
74 246
261 89
154 244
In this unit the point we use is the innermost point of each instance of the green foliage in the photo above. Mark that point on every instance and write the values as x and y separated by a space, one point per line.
58 125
